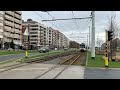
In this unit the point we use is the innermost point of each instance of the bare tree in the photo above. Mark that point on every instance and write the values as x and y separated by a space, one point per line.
112 26
99 43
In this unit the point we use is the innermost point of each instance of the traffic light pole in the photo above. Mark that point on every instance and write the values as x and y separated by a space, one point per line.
106 49
110 34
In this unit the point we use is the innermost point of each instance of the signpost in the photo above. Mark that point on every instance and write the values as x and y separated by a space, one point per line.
26 34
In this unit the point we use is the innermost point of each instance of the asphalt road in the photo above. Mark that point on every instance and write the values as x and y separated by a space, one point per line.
102 73
9 57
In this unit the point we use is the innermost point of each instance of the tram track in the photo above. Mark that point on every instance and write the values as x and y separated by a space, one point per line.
70 61
14 66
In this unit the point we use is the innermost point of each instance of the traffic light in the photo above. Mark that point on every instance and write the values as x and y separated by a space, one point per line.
110 35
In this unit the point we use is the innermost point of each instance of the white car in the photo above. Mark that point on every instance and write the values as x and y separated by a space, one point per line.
10 49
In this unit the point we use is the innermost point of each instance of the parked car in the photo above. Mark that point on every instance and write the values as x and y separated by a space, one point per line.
65 48
44 50
10 49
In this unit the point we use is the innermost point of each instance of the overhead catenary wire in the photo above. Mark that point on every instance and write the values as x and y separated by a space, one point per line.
53 18
75 20
43 18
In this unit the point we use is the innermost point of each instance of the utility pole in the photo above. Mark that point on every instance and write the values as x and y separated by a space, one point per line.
89 39
111 40
93 36
87 42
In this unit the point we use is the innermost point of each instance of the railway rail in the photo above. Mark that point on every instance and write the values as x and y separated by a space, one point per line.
69 61
10 67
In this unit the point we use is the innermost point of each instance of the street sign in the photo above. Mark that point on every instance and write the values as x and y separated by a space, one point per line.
26 33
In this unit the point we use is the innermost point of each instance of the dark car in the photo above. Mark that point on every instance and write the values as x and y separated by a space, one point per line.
44 50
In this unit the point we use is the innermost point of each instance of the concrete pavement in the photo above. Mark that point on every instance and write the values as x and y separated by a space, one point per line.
34 70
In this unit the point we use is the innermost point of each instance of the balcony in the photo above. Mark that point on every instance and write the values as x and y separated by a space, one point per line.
12 24
33 37
8 17
7 34
33 27
17 21
1 25
16 36
8 23
7 28
1 18
17 31
10 13
20 21
6 39
17 26
19 12
18 16
32 31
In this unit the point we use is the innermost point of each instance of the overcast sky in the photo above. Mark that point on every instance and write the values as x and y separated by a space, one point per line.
73 28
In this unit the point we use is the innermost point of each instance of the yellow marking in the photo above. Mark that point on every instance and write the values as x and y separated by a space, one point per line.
26 53
106 61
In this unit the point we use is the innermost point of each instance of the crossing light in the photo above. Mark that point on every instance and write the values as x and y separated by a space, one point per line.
110 35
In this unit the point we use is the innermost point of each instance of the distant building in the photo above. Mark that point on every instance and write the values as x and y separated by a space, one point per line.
116 44
37 33
10 28
40 36
1 28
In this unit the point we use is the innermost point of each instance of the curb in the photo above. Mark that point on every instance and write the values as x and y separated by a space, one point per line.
86 60
103 68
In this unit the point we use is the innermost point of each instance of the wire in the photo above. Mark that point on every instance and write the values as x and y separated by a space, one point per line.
43 18
54 18
75 20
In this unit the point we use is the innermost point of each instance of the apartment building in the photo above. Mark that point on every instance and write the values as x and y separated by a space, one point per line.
1 28
37 33
63 41
49 37
12 28
42 36
55 38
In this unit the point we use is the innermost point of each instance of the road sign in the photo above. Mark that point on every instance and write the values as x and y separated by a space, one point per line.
26 33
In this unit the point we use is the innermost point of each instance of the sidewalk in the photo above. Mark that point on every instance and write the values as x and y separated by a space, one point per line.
100 73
